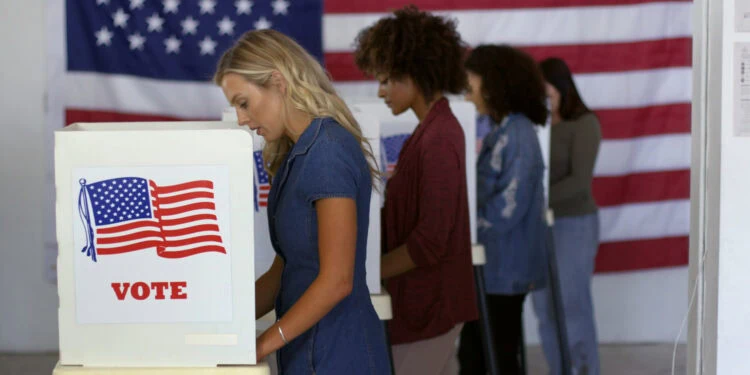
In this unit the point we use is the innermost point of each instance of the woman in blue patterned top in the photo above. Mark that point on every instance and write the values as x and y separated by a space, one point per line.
507 89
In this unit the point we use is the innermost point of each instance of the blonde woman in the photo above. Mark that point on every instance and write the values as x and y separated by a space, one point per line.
318 209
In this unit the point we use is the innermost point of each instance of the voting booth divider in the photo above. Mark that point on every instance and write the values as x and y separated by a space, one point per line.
163 229
386 134
156 248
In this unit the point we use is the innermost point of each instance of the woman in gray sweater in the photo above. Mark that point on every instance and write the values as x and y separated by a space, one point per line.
575 139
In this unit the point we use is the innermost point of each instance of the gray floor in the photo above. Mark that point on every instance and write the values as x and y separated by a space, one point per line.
646 359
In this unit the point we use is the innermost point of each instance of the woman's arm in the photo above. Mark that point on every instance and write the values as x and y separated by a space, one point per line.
337 242
396 262
267 287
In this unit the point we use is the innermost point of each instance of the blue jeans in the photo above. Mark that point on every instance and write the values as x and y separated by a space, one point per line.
576 242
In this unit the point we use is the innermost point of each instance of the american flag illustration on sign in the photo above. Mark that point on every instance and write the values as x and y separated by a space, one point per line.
392 147
262 185
127 214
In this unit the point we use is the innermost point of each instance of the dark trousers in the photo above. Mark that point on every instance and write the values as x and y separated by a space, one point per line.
505 319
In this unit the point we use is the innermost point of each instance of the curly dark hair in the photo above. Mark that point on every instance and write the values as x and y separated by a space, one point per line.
416 44
511 82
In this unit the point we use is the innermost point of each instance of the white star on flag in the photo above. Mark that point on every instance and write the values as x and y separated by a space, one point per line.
172 44
170 6
120 18
100 2
280 7
136 41
207 6
103 36
155 22
189 25
243 6
136 4
262 24
226 26
208 46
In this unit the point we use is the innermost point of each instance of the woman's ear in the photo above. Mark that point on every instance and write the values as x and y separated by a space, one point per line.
278 80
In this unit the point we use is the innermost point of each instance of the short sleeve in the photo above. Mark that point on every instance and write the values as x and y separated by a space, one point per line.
331 170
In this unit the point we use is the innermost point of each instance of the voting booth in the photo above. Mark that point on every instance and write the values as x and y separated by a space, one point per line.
156 246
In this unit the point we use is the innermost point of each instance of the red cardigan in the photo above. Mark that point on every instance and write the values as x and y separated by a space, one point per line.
426 207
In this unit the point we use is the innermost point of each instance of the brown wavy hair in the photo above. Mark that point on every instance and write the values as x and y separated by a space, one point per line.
557 73
511 82
257 54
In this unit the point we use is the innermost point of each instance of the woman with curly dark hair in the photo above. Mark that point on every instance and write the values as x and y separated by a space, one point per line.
417 59
508 90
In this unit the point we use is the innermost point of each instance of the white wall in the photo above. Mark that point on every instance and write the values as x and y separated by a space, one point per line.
732 328
719 339
633 307
28 303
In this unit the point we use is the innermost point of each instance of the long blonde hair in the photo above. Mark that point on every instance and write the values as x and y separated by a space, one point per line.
257 54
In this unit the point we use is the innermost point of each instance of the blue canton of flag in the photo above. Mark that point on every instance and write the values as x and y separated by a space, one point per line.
262 186
126 214
392 146
119 200
178 39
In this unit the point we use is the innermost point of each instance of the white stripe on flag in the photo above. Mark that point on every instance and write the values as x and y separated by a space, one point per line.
636 88
645 154
599 90
95 91
128 94
568 25
640 221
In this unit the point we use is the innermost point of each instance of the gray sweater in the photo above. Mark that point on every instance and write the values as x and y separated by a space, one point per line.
574 145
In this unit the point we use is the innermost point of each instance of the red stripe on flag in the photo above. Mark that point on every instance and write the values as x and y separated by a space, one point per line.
642 254
642 187
186 208
128 248
185 220
168 189
191 230
645 121
138 236
185 197
582 58
128 237
127 227
86 115
348 6
193 240
618 57
189 252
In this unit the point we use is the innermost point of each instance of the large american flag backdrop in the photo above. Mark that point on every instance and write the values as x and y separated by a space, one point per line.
143 60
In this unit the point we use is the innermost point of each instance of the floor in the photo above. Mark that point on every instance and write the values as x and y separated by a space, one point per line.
646 359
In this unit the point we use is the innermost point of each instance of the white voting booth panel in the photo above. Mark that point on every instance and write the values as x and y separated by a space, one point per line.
154 226
404 124
465 112
264 253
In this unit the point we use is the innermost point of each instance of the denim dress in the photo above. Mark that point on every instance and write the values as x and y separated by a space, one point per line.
326 162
